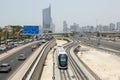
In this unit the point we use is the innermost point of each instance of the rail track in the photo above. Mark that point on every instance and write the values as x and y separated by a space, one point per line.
64 75
78 72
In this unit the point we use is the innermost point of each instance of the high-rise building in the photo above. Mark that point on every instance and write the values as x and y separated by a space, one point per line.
90 28
47 20
87 29
74 27
118 26
64 26
99 28
105 28
83 29
111 27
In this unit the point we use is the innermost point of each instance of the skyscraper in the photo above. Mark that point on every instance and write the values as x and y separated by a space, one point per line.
118 26
47 20
64 26
74 27
99 28
111 27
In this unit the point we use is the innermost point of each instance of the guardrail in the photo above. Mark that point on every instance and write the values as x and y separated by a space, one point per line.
38 69
95 75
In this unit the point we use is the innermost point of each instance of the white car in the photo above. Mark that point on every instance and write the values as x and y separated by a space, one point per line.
5 67
21 57
43 41
2 48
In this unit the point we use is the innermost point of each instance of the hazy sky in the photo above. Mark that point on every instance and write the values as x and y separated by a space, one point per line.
83 12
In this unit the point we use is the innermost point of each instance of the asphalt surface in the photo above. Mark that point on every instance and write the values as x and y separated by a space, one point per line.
4 51
103 43
13 61
10 48
108 44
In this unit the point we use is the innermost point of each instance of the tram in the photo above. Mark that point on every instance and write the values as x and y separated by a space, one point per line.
62 60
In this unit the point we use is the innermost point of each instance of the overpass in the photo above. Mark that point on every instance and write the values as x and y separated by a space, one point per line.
102 33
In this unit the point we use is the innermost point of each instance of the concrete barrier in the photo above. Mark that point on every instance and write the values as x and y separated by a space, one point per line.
36 74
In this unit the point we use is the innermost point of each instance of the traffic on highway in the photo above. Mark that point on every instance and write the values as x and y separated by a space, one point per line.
59 40
10 63
13 63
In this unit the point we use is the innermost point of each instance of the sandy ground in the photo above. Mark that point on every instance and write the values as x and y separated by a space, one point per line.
106 65
61 42
48 68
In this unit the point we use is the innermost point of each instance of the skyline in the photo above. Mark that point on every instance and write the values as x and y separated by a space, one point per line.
28 12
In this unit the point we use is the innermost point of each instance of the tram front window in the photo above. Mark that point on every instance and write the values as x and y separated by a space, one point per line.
63 61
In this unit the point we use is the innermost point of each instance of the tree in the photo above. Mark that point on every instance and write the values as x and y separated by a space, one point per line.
5 35
15 30
50 32
0 35
98 34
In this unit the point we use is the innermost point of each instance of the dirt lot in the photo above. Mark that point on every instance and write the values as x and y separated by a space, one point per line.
103 63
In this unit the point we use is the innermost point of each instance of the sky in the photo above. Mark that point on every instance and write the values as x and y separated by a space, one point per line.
82 12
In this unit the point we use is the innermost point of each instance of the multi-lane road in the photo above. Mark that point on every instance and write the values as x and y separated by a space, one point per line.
104 43
13 59
14 62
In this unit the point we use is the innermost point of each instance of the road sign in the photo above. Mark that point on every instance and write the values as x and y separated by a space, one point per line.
31 29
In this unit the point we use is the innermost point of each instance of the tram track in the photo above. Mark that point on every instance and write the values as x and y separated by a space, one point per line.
64 75
79 73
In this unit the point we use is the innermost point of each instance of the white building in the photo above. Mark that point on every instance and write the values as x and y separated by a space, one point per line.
99 28
65 26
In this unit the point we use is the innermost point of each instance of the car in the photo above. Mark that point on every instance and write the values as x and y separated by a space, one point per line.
21 57
5 67
2 48
34 46
88 44
16 44
39 44
43 41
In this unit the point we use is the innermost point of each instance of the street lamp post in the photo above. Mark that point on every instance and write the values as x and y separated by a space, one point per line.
19 34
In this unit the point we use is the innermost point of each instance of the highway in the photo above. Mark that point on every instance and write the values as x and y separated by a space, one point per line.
13 61
4 51
104 43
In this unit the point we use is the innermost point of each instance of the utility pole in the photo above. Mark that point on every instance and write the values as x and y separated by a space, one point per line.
19 34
